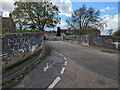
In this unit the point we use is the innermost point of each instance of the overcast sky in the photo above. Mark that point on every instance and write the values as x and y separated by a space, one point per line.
109 10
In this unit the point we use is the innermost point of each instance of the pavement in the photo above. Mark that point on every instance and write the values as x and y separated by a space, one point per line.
69 65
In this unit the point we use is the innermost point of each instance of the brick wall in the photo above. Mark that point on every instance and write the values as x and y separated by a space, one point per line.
16 47
8 25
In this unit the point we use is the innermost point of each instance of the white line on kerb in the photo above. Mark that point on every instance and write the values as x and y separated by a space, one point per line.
62 71
65 63
65 58
54 83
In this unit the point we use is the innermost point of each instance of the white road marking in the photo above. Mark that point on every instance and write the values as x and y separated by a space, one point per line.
51 65
60 54
54 83
45 68
56 52
65 63
65 58
62 71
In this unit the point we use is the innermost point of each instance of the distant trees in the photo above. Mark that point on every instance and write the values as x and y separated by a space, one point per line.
58 31
85 19
116 33
35 15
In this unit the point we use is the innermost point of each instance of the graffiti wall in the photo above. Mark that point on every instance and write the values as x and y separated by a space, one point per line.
16 47
108 42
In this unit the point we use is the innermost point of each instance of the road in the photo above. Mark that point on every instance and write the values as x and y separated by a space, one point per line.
69 65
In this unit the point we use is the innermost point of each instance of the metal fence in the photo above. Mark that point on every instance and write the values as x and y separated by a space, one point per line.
77 37
54 38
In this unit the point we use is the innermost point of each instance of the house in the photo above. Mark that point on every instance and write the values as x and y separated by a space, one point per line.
63 34
8 25
76 32
52 33
92 32
46 33
68 31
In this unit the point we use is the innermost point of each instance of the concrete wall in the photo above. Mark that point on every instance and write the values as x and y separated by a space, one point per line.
108 42
17 47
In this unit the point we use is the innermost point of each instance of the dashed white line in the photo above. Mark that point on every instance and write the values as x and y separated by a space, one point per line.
56 52
65 63
60 54
65 58
52 50
62 71
54 83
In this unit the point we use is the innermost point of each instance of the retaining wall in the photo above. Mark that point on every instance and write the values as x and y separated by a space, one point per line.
108 42
17 47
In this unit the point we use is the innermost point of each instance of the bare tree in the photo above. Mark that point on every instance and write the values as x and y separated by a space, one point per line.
85 19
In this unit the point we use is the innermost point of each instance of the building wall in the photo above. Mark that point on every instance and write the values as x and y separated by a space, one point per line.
0 24
92 32
8 25
75 32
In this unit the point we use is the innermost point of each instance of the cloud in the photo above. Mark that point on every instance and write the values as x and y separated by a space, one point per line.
62 24
6 7
111 21
107 9
64 6
104 16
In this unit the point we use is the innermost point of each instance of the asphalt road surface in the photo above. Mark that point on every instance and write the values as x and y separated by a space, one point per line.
70 65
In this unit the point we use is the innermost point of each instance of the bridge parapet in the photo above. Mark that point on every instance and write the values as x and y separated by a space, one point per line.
108 42
18 46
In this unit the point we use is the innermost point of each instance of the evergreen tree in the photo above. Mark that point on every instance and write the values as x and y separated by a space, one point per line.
58 31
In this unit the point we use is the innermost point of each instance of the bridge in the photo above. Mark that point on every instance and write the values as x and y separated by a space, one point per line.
30 60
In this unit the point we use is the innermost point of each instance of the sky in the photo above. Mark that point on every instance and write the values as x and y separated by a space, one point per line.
109 11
